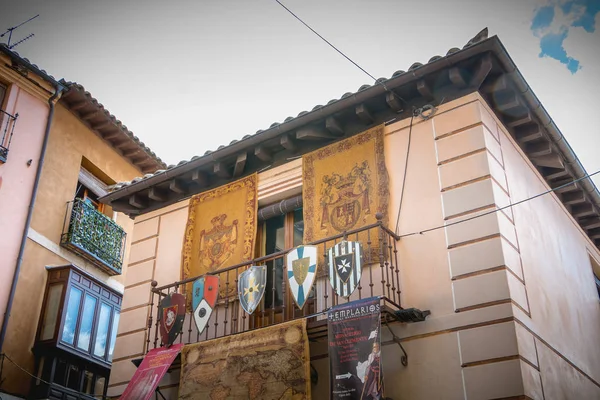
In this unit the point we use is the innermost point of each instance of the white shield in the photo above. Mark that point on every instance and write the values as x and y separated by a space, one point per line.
301 272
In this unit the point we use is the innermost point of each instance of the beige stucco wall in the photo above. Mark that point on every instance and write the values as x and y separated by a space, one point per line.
70 140
479 341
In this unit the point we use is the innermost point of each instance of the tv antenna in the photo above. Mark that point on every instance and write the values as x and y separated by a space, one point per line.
9 32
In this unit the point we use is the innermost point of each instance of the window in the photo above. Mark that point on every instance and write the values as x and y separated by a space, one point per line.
596 271
7 125
280 232
90 316
64 374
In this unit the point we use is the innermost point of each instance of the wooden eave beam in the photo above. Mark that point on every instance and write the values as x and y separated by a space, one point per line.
483 69
582 210
240 164
131 153
288 143
522 120
569 186
78 105
176 186
394 102
590 223
528 134
512 103
312 133
334 126
497 85
102 125
594 234
124 144
112 135
551 160
539 149
557 175
263 154
221 170
424 89
456 77
572 198
200 178
364 114
157 195
137 201
91 114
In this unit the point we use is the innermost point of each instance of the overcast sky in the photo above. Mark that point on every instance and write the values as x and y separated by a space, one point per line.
187 76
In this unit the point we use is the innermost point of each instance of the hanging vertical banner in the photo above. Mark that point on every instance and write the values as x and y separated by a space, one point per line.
355 369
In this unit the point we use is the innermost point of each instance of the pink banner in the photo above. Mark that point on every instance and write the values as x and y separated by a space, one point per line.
150 372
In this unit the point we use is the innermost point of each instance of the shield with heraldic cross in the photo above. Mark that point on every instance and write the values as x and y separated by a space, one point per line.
301 272
345 267
171 311
205 292
251 287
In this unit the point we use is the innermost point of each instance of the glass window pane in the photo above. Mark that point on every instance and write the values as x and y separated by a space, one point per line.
274 242
68 334
60 372
51 311
99 387
102 330
113 334
88 379
87 319
74 376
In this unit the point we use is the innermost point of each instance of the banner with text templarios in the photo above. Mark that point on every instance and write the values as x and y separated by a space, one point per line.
354 350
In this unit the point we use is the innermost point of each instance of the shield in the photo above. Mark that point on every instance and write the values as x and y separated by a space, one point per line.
345 266
251 287
171 311
204 297
301 272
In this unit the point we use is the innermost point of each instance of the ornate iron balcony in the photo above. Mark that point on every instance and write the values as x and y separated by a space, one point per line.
94 236
7 127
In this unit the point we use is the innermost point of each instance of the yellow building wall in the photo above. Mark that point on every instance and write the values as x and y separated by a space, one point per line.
489 334
70 140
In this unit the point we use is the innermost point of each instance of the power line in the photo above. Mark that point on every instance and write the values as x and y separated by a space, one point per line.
501 208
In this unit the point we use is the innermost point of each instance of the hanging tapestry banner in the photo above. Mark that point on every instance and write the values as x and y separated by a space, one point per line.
221 230
153 367
268 363
355 369
344 185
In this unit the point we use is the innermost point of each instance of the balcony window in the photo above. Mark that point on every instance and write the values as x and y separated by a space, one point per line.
7 126
93 235
76 334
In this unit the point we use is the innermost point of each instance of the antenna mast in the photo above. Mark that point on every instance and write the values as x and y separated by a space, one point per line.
9 32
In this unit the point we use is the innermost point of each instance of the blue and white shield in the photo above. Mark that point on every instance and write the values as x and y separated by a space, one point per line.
345 267
251 287
301 272
205 292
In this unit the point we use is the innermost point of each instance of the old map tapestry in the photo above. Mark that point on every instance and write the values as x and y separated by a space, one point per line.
344 185
268 363
221 229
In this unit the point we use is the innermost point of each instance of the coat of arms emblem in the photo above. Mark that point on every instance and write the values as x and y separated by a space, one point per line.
301 272
251 287
171 314
345 267
205 291
218 244
345 199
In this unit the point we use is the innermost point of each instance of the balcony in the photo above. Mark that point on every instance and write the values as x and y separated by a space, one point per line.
380 278
93 236
7 127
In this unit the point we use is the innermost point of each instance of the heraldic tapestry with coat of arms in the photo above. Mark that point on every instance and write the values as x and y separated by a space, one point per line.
221 229
344 185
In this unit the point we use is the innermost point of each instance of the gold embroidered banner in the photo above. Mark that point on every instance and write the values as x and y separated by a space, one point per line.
221 229
344 185
268 363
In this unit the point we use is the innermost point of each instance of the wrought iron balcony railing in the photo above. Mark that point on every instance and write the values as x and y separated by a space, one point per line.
94 236
380 277
7 127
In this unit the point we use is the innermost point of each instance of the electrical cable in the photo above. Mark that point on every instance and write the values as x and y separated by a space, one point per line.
340 52
405 172
501 208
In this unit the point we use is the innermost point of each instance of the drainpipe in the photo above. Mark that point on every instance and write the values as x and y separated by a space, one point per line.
58 90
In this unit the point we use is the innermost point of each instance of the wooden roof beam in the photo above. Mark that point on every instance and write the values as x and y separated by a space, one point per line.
497 85
78 105
572 198
394 102
312 133
334 126
288 143
483 69
221 170
91 114
590 222
424 89
157 195
522 120
528 133
551 160
240 164
364 114
583 210
456 77
538 149
137 201
176 186
200 178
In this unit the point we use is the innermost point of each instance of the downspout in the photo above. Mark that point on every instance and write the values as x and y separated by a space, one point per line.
58 90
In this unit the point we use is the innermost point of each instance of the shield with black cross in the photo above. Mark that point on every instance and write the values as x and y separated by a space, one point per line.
345 267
